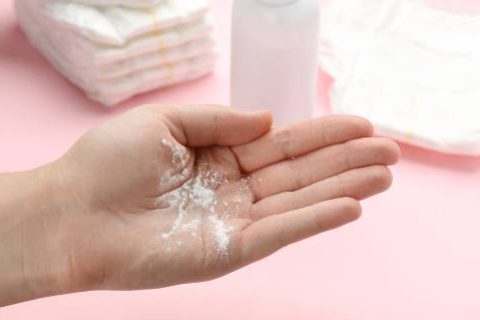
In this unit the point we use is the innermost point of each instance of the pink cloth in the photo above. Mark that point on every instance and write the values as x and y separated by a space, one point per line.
414 254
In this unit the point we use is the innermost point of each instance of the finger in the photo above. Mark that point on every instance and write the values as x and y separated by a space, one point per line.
268 235
301 138
198 126
358 184
292 175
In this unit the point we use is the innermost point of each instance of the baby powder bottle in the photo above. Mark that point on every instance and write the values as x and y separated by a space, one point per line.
274 57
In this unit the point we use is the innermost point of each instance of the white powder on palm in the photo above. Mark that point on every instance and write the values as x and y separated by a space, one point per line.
180 158
195 198
177 199
222 233
179 153
202 196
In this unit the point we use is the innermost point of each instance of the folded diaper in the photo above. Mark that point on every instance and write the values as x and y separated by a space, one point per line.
411 69
116 24
118 52
126 3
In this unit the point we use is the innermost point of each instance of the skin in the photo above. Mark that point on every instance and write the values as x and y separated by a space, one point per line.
94 219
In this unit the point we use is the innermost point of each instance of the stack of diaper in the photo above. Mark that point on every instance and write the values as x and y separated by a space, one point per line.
412 69
116 49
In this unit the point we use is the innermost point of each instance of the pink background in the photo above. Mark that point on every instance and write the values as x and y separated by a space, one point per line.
414 255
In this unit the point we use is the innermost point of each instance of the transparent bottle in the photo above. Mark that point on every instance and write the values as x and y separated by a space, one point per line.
274 57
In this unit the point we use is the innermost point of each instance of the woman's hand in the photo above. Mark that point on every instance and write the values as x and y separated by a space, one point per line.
168 195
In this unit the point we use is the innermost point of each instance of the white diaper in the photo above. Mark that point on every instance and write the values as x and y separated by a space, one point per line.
413 70
126 3
115 25
188 50
180 50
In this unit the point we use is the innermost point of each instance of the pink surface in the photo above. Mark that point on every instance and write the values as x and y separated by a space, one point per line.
414 254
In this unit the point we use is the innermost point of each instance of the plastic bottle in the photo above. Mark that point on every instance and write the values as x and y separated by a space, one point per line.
274 57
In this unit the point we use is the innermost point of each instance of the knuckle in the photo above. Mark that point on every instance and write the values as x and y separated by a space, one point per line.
345 154
283 139
343 185
216 132
254 188
297 181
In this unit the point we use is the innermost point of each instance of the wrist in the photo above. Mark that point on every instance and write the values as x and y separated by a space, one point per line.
34 260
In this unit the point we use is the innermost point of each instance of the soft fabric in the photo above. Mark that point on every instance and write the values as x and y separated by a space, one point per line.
413 70
126 3
178 52
116 24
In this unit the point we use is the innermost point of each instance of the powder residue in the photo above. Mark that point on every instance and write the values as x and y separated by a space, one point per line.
177 199
195 199
203 196
180 158
179 153
222 233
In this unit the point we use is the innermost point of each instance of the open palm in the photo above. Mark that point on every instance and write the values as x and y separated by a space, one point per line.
170 195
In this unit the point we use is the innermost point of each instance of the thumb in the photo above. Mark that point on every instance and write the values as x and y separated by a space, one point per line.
206 125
